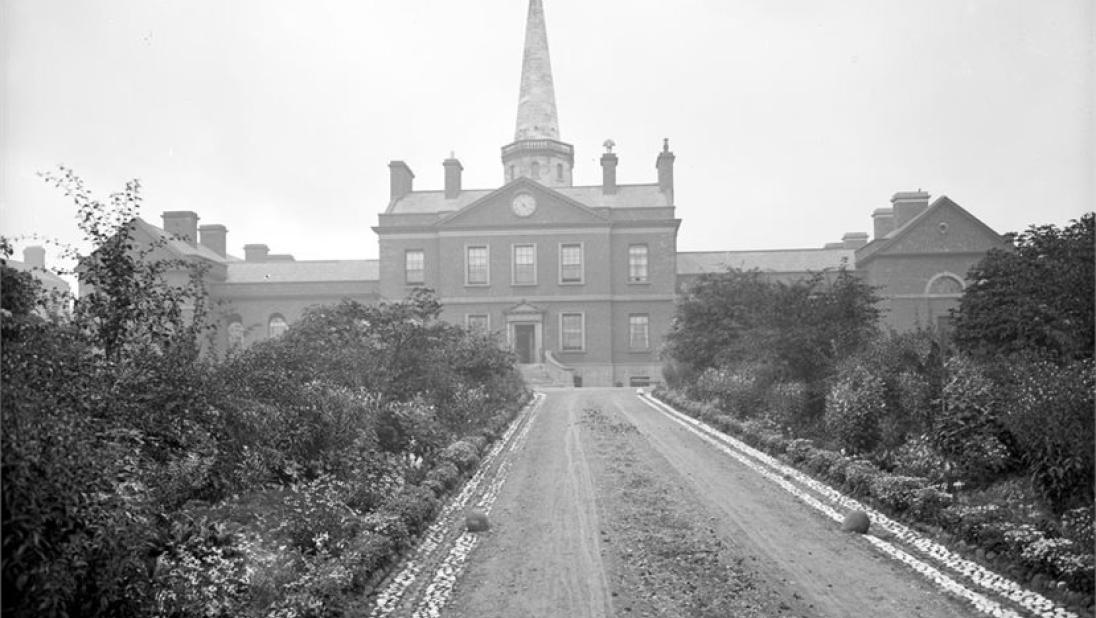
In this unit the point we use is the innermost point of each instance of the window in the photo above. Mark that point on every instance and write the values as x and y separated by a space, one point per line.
235 334
638 334
511 173
572 337
476 266
414 266
477 322
559 171
525 265
277 326
946 284
535 171
637 264
570 263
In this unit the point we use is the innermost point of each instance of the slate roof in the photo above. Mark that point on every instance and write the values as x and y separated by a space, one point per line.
627 196
303 271
179 246
776 261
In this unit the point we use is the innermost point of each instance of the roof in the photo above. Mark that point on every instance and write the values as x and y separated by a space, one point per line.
779 260
627 196
303 271
176 245
46 276
873 248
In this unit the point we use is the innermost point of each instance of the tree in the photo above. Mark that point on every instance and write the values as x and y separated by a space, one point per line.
714 318
799 329
1037 297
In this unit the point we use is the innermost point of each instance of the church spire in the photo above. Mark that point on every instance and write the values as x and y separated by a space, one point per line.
537 101
536 151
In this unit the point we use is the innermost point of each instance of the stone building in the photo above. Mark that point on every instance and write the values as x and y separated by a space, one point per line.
579 281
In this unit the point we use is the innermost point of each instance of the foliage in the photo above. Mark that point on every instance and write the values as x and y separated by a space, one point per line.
1035 297
853 409
968 431
1049 414
125 448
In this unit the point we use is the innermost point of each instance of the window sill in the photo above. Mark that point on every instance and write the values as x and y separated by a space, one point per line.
572 283
648 282
523 285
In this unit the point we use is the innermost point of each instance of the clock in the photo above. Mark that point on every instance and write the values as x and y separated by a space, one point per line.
523 205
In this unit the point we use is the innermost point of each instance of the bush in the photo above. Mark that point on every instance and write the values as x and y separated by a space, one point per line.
968 432
918 457
786 404
1049 415
853 409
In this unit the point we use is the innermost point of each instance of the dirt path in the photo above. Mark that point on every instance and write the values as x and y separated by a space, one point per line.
542 556
611 508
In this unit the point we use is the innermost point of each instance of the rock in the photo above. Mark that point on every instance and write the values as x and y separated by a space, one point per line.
476 521
856 521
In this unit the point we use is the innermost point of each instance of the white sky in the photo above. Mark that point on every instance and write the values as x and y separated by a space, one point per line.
791 119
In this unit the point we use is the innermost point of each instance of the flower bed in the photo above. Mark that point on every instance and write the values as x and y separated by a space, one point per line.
1047 559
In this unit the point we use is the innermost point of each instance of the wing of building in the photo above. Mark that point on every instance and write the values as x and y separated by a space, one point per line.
579 279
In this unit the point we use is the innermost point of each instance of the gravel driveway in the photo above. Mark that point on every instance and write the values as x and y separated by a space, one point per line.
607 507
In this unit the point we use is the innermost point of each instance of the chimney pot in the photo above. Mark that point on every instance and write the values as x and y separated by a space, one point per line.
608 173
35 256
402 179
256 253
182 223
453 168
214 237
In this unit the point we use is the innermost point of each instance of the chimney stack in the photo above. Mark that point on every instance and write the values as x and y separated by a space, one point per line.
665 165
182 223
256 253
453 168
907 205
35 257
883 219
402 179
854 240
214 237
608 173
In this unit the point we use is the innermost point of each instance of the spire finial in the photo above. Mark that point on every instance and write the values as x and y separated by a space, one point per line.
665 144
609 143
537 99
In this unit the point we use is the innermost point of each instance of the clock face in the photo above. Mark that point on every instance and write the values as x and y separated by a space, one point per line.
523 205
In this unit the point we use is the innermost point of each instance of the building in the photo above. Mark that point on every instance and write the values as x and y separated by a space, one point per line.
579 281
57 291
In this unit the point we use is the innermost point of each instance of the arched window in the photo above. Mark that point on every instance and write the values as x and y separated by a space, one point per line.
235 333
277 326
944 284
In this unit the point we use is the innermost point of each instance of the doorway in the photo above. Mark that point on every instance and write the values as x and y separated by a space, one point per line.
525 342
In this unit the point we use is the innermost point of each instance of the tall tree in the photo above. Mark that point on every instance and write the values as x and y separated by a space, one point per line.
1035 298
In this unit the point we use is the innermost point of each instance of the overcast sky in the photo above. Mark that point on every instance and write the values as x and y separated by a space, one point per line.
791 119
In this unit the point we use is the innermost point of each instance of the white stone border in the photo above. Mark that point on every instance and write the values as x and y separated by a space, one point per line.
434 541
782 475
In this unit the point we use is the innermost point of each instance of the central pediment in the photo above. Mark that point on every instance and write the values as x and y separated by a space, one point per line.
523 203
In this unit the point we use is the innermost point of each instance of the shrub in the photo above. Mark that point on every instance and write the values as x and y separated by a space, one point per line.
853 409
1049 415
462 454
968 430
786 404
897 493
917 457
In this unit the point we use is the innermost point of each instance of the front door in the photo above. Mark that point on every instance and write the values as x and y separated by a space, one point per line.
524 342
